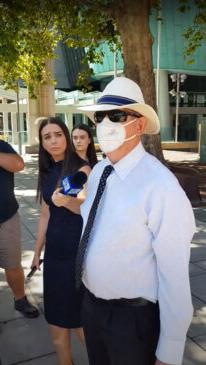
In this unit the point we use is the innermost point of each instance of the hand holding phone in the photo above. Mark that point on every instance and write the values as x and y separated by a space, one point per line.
33 270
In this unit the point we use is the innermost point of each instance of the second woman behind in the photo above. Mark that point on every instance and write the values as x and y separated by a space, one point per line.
83 144
60 227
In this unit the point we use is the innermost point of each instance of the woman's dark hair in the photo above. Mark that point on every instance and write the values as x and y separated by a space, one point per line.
91 152
71 160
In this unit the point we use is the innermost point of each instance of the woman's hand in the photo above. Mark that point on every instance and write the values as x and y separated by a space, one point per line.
59 199
36 261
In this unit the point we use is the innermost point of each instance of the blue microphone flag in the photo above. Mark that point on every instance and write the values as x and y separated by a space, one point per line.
72 185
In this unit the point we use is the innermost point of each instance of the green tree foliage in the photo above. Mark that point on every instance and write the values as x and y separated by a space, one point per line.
31 29
26 41
196 33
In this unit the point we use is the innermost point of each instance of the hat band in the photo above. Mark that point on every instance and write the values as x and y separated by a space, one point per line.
115 100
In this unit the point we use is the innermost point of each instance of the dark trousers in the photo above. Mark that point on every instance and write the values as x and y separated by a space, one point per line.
120 334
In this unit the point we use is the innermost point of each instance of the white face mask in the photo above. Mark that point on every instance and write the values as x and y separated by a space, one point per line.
112 135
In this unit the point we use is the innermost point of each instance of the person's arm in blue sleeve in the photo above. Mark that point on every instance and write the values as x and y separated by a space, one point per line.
9 159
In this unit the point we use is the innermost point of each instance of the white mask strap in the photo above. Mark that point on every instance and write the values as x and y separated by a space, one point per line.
132 137
128 123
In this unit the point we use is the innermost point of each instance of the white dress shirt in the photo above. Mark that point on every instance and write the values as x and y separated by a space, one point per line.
140 243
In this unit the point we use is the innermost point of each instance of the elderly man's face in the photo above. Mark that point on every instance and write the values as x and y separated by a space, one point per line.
118 131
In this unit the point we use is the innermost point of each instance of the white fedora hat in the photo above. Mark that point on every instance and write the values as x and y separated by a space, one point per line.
122 93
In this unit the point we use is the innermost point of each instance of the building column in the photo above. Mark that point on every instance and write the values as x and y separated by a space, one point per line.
21 122
5 120
203 141
69 121
14 128
164 107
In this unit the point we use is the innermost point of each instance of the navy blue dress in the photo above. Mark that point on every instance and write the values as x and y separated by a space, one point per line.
62 303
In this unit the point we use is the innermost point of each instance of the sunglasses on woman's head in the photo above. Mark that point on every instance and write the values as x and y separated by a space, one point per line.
116 116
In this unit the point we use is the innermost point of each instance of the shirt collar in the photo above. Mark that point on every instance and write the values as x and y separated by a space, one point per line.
127 163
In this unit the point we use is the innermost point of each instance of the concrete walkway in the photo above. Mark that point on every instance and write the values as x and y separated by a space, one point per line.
27 341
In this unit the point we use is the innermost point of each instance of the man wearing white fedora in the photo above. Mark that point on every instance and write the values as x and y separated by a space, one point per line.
134 252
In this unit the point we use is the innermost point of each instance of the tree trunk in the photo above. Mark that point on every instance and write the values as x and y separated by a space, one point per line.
46 92
132 19
42 105
32 127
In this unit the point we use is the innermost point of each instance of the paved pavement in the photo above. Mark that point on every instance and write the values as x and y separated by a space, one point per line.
27 341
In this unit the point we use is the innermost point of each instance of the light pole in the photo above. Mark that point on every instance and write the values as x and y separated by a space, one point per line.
115 62
176 79
159 25
177 106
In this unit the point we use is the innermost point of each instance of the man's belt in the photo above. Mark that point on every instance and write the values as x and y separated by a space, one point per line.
133 302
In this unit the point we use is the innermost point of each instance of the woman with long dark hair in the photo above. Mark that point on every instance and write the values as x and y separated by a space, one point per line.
59 229
83 143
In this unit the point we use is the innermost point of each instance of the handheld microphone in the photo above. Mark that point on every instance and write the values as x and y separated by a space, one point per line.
72 185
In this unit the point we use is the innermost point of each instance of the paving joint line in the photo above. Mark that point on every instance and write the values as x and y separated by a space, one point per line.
32 358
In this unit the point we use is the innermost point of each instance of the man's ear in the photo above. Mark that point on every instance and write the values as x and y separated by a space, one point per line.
141 125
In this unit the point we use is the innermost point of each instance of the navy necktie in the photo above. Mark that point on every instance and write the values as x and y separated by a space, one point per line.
90 221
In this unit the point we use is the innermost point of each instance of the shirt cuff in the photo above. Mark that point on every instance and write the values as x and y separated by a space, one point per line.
170 351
